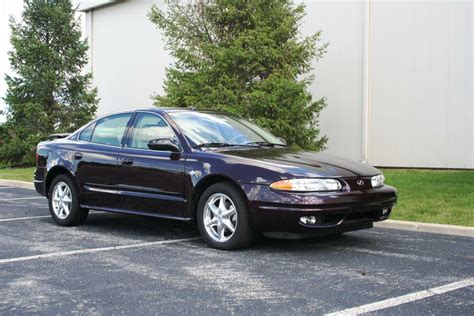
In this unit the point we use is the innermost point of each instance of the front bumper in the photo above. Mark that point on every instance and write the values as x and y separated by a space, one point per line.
273 211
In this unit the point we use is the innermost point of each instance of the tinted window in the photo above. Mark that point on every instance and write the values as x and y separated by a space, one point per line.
109 130
148 126
86 133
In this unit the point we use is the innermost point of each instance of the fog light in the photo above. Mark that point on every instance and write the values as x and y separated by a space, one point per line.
308 220
385 212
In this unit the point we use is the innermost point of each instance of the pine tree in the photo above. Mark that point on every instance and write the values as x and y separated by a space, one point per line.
49 91
245 57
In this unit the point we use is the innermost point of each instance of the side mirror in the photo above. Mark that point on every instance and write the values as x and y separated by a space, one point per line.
165 143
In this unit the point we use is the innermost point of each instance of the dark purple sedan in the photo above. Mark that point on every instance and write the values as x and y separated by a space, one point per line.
224 172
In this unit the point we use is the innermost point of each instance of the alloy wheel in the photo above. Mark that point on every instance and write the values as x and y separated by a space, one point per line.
62 200
220 217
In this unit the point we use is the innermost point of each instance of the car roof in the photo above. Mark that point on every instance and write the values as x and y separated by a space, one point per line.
158 110
175 109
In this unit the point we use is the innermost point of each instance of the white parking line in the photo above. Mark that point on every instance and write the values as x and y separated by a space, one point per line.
93 250
23 198
22 218
405 298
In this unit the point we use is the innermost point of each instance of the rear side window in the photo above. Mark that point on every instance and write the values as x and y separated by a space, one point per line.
110 130
86 133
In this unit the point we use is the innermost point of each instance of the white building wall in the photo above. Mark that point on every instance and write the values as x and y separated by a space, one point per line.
420 108
339 74
128 57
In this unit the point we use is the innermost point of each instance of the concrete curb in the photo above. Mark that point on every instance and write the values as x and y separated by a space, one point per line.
18 184
428 228
391 224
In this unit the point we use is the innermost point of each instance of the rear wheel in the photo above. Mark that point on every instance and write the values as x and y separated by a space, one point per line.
64 202
222 218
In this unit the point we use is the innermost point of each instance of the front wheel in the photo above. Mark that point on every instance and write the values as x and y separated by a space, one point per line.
64 202
222 218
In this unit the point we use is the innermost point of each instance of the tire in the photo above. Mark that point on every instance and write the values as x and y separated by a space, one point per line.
211 224
61 216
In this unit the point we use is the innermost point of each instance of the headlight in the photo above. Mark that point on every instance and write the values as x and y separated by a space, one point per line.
377 181
307 185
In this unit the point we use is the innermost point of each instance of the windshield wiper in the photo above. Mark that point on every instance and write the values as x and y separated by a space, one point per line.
250 144
215 144
268 144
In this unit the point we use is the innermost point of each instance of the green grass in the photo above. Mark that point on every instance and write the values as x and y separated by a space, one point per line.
22 174
433 196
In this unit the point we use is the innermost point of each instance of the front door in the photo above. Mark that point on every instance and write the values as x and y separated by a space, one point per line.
151 181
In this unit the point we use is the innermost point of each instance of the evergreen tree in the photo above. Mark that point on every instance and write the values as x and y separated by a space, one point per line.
49 91
245 57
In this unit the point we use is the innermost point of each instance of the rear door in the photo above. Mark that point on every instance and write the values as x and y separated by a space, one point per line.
151 181
97 152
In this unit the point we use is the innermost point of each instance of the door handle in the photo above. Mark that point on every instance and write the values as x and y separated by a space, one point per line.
77 155
126 161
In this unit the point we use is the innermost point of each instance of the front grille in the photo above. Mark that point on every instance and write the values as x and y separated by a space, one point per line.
356 185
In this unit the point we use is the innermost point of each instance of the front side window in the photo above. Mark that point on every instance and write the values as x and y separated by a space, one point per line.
148 127
110 130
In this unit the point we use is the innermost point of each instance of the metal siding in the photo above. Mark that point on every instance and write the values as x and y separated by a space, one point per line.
339 74
420 64
129 57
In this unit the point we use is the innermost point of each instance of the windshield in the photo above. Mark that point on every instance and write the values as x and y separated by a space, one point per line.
215 129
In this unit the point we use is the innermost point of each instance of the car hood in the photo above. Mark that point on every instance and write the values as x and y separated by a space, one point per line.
306 163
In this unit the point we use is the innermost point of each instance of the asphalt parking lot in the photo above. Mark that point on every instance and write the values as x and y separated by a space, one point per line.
120 264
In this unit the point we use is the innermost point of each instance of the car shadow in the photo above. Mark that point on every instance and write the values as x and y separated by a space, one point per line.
136 226
312 243
143 227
